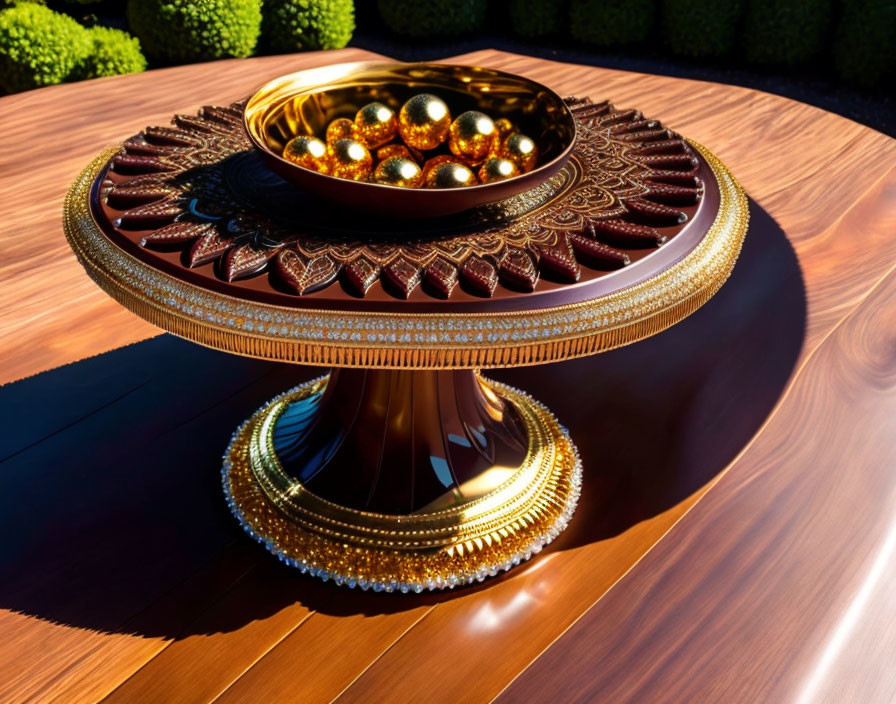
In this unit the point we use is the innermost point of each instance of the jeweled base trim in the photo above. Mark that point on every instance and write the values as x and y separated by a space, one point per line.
491 534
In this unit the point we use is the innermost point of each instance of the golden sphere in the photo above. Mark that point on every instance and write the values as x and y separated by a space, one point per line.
450 175
398 171
424 121
521 150
341 128
497 169
391 150
472 135
435 161
376 124
349 159
308 152
505 127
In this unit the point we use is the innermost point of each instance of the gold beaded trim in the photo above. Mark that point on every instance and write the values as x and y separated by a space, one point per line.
419 341
430 550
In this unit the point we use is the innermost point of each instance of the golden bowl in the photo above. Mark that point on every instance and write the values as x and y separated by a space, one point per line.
307 101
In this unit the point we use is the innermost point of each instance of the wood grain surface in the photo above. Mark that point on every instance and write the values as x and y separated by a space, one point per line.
737 531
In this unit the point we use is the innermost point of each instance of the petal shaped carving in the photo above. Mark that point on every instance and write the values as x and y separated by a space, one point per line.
403 275
479 274
208 248
625 234
361 274
244 261
176 233
648 213
597 254
517 269
144 217
306 275
559 260
441 276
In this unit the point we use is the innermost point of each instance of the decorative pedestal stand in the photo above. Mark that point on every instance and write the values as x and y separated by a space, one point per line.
404 470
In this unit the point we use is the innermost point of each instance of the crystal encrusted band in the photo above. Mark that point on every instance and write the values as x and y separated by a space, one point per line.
468 543
420 341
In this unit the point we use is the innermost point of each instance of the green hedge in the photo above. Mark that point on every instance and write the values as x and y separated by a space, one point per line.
195 30
610 23
701 28
421 19
114 52
39 47
537 18
302 25
786 32
865 52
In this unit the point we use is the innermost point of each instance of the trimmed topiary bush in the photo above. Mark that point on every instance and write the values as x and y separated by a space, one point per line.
700 28
609 23
304 25
865 52
114 52
786 32
537 18
195 30
39 47
434 18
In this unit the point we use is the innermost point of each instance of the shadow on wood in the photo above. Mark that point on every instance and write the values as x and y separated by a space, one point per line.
110 501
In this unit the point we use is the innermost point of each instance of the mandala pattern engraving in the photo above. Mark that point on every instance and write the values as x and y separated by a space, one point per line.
197 187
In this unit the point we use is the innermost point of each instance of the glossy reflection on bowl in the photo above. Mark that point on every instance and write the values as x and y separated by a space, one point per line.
307 101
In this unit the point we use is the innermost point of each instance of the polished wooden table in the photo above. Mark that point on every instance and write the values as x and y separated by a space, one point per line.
736 539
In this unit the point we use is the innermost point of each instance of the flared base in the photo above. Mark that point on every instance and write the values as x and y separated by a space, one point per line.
476 529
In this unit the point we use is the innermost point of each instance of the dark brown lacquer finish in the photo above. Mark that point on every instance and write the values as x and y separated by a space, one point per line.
398 441
194 199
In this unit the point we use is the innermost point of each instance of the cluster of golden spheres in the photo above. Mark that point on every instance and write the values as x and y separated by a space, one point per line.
482 150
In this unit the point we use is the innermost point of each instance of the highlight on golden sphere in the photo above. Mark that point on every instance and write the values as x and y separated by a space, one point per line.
391 150
398 171
450 175
341 128
472 135
349 159
521 150
423 121
505 127
376 124
497 169
435 161
308 152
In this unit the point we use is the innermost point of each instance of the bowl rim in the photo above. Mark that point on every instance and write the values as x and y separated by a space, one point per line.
549 167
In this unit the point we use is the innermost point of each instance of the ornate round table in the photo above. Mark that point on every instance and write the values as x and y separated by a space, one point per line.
404 469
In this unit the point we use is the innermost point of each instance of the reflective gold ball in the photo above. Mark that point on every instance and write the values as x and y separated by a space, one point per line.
308 152
497 169
376 124
472 135
398 171
391 150
349 159
424 121
505 127
341 128
521 150
435 161
451 175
